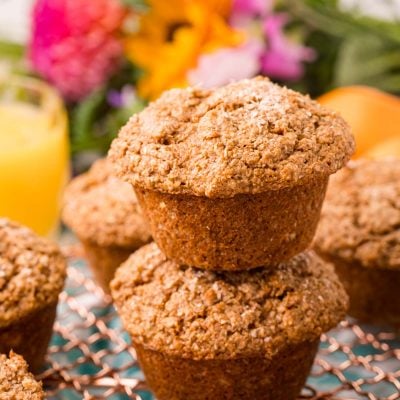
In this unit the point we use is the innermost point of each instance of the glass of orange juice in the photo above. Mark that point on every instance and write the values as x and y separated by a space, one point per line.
34 152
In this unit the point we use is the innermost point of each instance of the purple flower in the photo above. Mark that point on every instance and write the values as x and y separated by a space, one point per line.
282 58
124 98
114 98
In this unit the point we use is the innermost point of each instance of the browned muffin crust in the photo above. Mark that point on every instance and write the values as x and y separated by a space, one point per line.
236 233
257 378
104 261
360 219
246 137
16 382
32 272
373 292
103 209
30 336
197 314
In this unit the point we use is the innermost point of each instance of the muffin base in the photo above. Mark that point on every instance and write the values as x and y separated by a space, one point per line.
174 378
238 233
104 261
30 336
373 293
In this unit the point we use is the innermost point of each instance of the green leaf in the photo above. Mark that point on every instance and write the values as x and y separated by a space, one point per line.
83 117
11 51
94 123
326 16
138 5
390 83
368 60
320 73
352 48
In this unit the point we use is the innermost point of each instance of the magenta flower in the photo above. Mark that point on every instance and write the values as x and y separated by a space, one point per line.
282 58
252 7
74 43
245 12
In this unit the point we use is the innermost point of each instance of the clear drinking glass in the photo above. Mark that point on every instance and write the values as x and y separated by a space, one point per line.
34 153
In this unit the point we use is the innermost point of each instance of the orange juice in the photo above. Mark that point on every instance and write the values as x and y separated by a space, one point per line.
33 154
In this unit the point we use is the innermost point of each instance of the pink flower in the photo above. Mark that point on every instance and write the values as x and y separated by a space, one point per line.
226 65
244 12
252 7
74 43
283 59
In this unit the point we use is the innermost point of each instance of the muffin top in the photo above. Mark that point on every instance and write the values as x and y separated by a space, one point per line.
16 382
103 209
360 218
199 314
247 137
32 272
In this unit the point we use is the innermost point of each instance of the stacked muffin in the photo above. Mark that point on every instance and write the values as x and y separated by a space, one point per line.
232 182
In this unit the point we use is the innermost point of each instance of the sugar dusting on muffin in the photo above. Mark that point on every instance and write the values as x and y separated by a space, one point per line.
246 137
198 314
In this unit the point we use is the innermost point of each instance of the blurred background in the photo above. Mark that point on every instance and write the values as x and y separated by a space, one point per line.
73 71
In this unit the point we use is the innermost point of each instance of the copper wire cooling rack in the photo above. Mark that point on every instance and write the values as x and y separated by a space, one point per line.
90 356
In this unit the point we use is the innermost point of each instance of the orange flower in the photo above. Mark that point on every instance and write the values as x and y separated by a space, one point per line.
172 36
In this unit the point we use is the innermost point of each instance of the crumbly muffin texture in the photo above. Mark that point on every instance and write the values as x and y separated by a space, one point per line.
32 272
360 219
103 209
247 137
190 313
16 383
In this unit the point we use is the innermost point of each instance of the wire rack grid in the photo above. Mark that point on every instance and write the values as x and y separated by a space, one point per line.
90 356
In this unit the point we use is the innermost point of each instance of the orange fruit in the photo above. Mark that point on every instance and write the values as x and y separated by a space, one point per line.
373 115
389 147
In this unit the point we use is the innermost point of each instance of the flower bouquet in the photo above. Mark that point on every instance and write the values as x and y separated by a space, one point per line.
108 58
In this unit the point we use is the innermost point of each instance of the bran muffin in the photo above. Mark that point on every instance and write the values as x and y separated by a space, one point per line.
104 214
226 335
32 274
16 382
232 178
359 232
